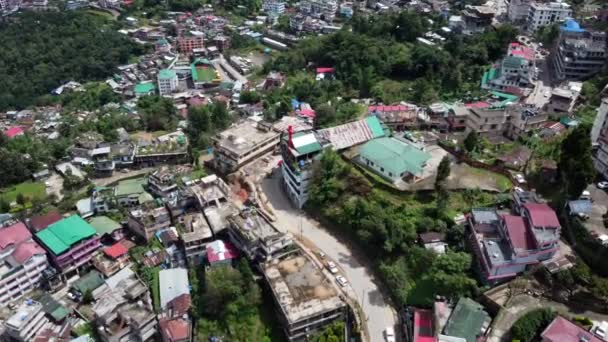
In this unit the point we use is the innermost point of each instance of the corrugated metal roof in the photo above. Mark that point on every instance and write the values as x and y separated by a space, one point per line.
61 235
395 156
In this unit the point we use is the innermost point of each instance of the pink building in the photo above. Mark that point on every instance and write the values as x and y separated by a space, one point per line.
562 330
23 261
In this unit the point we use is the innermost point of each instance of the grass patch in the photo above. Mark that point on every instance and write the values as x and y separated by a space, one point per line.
156 290
104 14
28 189
502 182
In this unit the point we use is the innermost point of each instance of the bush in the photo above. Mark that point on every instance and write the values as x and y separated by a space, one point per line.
532 324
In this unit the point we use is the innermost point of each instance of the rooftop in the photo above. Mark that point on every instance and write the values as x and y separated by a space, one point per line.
144 88
130 187
353 133
61 235
25 312
484 215
166 74
541 215
255 226
219 250
395 156
562 330
104 225
173 283
244 136
468 320
519 234
300 288
88 282
39 222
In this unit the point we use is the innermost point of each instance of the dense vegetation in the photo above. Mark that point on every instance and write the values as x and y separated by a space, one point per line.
530 325
381 58
388 230
40 51
575 163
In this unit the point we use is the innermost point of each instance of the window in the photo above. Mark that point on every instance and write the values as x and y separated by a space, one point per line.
390 174
382 169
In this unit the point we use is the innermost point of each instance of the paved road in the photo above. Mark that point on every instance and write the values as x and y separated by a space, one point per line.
543 85
378 312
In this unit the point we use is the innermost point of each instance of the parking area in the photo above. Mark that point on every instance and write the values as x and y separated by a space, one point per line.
595 223
54 186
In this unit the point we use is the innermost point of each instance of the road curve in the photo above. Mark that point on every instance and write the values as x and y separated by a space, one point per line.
378 313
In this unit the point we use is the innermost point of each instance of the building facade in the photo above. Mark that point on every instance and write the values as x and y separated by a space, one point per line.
515 71
579 53
187 43
273 7
322 9
147 220
599 139
544 14
27 321
167 82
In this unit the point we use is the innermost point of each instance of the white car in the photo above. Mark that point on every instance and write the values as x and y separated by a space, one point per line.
520 178
547 94
332 267
389 334
602 185
341 280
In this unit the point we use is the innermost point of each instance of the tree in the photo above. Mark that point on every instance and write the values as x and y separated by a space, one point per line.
471 141
566 280
443 171
575 162
250 97
157 113
5 207
331 333
325 116
530 325
87 297
20 199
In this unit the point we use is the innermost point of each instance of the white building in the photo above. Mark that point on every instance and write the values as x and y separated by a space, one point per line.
544 14
273 7
26 322
167 82
322 9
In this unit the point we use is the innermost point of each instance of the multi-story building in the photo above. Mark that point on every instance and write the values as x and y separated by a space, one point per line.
167 149
70 243
476 19
525 119
518 11
113 259
515 71
9 6
167 82
147 220
506 245
273 7
162 183
186 43
27 321
543 14
487 122
397 117
579 53
302 312
322 9
23 262
196 238
241 144
599 139
252 233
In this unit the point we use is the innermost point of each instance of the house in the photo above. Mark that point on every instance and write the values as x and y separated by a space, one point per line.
514 73
87 283
563 330
198 234
14 131
468 321
524 120
105 226
23 262
434 241
131 193
396 117
352 133
487 121
457 117
70 243
147 220
175 330
173 283
40 222
112 259
144 89
162 183
221 253
393 159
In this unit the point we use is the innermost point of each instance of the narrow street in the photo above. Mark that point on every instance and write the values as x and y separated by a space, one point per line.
379 313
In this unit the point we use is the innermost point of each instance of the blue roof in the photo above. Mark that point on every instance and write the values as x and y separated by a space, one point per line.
295 104
571 25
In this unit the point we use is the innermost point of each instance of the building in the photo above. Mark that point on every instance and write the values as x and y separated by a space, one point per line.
477 19
579 53
599 139
397 117
172 283
23 262
175 330
543 14
253 234
305 299
186 43
27 321
162 183
130 193
273 7
106 227
70 243
433 241
9 6
518 11
524 120
203 74
393 159
214 200
516 71
147 220
468 321
198 234
40 222
166 149
487 121
167 82
563 330
221 253
562 100
144 89
506 245
321 9
242 143
112 259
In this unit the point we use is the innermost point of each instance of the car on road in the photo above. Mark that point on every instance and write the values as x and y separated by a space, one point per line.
389 334
341 280
520 178
321 254
547 94
331 266
602 185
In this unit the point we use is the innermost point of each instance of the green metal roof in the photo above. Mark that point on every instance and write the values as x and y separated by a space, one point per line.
130 187
61 235
88 282
166 74
375 126
513 62
144 88
394 155
52 307
104 225
505 96
466 320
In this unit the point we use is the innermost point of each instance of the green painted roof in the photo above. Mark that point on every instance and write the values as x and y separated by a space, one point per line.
513 62
61 235
104 225
166 74
144 88
375 126
88 282
505 96
466 320
52 307
130 187
394 155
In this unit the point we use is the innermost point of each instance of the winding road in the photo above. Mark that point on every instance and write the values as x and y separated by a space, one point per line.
379 314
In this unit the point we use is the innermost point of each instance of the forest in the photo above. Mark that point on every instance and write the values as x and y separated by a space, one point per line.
41 51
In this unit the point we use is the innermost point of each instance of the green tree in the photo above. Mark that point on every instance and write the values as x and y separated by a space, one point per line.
5 207
530 325
325 116
575 162
331 333
471 141
157 113
250 97
87 297
20 199
443 171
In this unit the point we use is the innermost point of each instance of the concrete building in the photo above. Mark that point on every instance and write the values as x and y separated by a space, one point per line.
163 183
242 143
196 238
562 100
23 262
167 82
305 299
172 283
254 235
518 11
579 53
321 9
487 122
70 243
599 139
27 321
467 323
563 330
477 19
171 148
147 220
543 14
524 120
273 7
187 42
515 71
398 117
213 197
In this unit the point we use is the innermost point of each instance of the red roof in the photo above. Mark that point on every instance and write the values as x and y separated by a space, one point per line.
26 250
562 330
542 215
325 70
13 131
180 305
219 250
38 223
479 104
519 234
175 330
309 113
423 326
116 250
523 51
13 235
385 109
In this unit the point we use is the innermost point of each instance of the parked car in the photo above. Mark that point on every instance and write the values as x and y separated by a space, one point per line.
321 254
331 266
586 195
520 178
602 185
389 334
341 280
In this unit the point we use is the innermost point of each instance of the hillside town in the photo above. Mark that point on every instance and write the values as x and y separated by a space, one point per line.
313 170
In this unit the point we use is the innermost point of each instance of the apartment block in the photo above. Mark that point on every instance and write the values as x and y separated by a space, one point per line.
525 119
186 43
23 262
321 9
198 234
147 220
515 72
518 11
27 321
487 121
163 183
273 7
167 82
580 53
599 139
543 14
